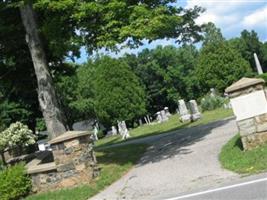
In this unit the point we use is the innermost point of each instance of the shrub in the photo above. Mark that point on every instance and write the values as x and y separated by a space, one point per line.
14 183
212 102
16 137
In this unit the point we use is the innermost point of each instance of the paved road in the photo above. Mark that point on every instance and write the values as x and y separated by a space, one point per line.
250 188
181 162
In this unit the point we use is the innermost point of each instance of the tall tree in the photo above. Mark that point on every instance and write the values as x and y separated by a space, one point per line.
212 34
165 72
219 65
54 118
118 93
247 45
95 24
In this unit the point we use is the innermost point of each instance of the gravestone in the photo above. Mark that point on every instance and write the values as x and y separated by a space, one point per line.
114 130
167 112
95 138
249 103
120 128
194 110
164 117
125 132
212 92
184 113
159 117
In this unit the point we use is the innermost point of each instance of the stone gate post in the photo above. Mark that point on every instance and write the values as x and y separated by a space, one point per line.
249 103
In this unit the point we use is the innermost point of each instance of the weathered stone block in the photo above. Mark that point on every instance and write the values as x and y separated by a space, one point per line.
71 143
80 167
261 123
255 140
246 127
84 140
65 167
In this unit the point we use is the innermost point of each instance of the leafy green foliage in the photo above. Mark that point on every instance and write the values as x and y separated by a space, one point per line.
247 45
64 27
14 183
219 66
118 92
212 34
40 124
233 157
108 23
212 102
166 74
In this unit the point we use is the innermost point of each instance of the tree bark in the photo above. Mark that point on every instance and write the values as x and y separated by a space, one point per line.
54 117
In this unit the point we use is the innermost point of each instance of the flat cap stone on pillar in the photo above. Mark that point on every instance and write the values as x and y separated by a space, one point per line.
68 136
244 84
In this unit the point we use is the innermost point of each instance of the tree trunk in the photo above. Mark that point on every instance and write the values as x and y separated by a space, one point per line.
54 118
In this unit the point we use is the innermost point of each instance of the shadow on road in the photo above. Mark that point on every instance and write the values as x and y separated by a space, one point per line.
178 143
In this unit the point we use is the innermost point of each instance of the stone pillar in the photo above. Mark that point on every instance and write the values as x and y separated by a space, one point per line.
249 103
74 158
74 163
184 113
194 110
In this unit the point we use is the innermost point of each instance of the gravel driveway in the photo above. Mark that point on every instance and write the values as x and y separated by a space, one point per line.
183 161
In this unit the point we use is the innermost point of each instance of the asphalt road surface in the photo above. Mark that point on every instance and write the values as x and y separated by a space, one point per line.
181 162
251 188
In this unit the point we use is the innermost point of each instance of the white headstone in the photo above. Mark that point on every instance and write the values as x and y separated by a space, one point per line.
125 132
95 133
114 130
194 110
184 113
212 92
164 117
167 112
159 117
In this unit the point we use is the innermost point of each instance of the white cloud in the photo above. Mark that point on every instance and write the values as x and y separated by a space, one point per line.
257 18
233 16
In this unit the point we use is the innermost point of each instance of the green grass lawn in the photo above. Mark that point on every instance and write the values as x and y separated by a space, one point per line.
172 124
114 163
232 157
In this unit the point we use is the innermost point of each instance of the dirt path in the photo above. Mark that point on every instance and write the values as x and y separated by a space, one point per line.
180 162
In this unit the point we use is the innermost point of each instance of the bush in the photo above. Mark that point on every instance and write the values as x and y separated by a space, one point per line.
212 102
14 183
16 137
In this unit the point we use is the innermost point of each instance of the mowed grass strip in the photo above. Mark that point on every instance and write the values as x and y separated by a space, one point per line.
232 157
172 124
114 163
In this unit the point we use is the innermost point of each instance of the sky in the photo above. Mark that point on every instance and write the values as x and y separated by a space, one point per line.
231 16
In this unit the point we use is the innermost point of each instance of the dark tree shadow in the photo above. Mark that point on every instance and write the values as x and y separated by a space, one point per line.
162 148
178 143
